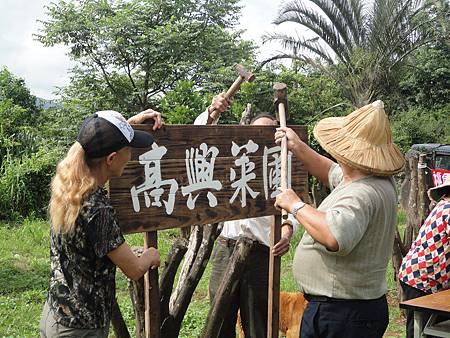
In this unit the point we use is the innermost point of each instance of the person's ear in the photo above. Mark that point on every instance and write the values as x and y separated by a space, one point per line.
110 158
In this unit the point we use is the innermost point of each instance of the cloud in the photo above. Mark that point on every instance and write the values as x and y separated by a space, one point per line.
45 68
42 68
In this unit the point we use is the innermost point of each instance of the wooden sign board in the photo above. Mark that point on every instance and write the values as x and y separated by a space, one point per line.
202 174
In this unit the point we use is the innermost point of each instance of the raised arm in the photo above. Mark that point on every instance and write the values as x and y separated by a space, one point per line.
145 115
219 103
316 164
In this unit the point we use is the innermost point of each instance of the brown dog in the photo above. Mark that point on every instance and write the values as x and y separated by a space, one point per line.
292 306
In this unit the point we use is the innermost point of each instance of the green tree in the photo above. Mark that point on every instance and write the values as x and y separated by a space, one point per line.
183 104
425 82
18 114
13 88
132 52
421 101
359 44
26 159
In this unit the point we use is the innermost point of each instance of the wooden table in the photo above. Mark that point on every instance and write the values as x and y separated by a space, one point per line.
438 304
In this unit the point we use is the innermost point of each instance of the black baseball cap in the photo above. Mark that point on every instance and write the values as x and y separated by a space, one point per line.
107 131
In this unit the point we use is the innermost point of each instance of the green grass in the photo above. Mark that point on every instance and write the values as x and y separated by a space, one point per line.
24 271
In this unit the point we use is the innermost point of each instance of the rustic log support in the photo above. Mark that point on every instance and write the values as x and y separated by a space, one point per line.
195 239
273 292
152 314
319 192
247 115
172 263
411 213
171 325
232 274
136 291
119 327
423 200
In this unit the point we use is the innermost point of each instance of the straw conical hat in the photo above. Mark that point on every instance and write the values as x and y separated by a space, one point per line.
361 140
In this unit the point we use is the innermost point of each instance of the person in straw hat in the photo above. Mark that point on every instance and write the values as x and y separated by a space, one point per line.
426 267
340 263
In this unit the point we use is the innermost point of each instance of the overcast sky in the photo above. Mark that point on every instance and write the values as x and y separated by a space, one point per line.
45 68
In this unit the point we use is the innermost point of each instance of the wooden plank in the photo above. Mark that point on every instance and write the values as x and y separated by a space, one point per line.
177 139
273 305
151 293
437 302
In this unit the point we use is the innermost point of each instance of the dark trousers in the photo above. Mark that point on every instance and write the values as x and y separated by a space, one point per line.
349 319
410 293
249 293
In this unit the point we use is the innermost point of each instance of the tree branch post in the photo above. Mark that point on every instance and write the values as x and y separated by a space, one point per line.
231 276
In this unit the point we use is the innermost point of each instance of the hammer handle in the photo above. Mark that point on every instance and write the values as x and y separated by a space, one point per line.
284 153
229 94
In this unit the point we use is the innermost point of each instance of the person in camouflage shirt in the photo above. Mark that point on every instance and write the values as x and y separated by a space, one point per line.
86 243
85 299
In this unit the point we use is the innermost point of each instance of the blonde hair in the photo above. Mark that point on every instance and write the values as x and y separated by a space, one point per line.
71 184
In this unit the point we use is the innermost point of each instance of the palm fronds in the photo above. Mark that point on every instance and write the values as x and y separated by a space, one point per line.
356 41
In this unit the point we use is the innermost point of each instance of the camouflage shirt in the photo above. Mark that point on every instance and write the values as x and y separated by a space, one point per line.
82 281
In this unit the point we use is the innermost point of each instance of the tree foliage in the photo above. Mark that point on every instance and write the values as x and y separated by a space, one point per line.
26 162
131 52
359 44
18 114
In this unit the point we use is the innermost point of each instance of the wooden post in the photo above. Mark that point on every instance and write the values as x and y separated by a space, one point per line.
423 200
411 214
222 299
172 263
151 292
137 296
274 282
119 327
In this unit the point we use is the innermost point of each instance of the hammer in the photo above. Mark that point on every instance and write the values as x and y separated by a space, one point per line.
280 102
243 75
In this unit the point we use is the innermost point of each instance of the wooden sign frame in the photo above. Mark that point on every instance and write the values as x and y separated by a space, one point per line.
235 158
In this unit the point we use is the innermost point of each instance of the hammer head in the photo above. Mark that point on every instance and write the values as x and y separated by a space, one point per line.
280 96
245 74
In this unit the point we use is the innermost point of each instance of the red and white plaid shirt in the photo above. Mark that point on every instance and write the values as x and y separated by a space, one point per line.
427 264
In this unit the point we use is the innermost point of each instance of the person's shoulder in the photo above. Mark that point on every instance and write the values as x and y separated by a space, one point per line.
443 206
376 189
379 182
95 203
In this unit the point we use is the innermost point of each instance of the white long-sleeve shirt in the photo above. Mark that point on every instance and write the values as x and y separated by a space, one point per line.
257 228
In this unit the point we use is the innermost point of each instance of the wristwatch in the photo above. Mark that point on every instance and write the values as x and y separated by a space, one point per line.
297 206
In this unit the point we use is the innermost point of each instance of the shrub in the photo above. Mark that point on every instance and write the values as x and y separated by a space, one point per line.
24 184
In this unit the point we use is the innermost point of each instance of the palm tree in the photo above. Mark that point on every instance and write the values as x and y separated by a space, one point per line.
357 43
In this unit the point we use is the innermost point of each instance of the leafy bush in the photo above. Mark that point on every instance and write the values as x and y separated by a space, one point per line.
24 184
420 125
183 104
